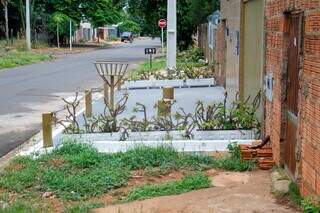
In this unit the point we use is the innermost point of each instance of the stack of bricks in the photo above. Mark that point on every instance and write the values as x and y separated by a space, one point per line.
263 156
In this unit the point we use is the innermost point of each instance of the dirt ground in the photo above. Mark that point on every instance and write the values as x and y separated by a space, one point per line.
232 192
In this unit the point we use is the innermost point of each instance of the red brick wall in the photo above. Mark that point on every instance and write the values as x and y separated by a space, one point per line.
308 172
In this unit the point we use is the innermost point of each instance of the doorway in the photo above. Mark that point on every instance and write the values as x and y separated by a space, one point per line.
292 91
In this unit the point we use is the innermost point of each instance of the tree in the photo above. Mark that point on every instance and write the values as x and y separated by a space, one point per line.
190 13
130 26
59 18
5 5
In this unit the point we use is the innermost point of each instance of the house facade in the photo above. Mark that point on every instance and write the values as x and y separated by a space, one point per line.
292 65
274 46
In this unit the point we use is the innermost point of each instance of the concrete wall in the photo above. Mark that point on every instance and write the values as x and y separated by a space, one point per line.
230 11
251 57
308 133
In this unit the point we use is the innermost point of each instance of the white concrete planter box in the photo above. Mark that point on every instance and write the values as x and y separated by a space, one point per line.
205 82
163 136
180 146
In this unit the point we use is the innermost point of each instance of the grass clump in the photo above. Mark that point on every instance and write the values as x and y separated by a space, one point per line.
234 161
188 183
14 58
309 206
19 207
83 207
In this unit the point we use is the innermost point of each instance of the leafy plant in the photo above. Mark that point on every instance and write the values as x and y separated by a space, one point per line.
309 206
234 162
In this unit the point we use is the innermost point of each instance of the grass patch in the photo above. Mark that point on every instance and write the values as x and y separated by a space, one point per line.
78 171
83 207
19 207
14 58
187 184
294 194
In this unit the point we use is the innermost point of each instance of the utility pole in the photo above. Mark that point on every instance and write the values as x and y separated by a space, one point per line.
70 35
172 34
5 4
28 29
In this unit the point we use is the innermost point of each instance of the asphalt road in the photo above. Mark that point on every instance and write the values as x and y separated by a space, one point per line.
27 92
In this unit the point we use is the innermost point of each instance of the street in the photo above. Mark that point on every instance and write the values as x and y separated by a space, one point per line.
26 92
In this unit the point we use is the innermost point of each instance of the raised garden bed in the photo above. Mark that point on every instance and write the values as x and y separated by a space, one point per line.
156 84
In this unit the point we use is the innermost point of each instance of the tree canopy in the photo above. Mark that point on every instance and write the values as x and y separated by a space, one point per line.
190 13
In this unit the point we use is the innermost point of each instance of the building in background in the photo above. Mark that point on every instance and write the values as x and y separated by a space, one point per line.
228 61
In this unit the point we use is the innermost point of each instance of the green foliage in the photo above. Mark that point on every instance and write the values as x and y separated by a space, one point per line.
20 174
234 162
309 206
14 58
147 14
188 183
130 26
19 207
83 207
294 193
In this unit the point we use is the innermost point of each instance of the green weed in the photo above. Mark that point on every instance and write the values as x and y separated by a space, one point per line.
188 183
83 207
310 207
234 162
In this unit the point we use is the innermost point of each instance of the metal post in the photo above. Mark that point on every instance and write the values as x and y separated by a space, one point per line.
162 50
88 103
112 91
106 92
150 61
172 34
28 28
47 129
70 31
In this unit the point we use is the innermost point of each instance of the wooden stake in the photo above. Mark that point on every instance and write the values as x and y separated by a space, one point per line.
88 103
168 93
47 129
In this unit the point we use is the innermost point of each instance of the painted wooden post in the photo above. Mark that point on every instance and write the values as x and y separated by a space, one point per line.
168 93
88 103
47 129
106 92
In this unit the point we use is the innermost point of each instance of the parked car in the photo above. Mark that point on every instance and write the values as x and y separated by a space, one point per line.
127 36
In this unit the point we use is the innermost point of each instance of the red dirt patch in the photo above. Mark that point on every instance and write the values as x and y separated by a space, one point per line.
15 167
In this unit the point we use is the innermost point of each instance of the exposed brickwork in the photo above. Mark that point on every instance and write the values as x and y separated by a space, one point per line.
308 171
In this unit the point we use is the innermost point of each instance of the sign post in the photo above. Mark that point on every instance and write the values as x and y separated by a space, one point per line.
171 34
150 51
162 23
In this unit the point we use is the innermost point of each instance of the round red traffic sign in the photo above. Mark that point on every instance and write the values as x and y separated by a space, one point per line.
162 23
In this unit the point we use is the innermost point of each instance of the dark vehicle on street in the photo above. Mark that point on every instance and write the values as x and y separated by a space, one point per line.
127 36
